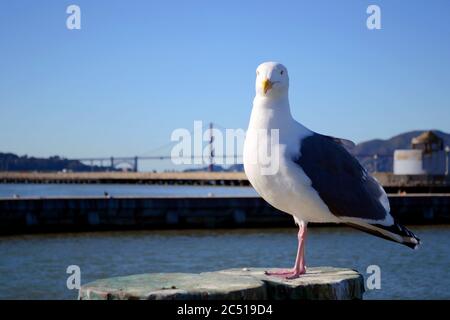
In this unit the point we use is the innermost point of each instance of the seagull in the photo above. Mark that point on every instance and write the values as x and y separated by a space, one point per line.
311 176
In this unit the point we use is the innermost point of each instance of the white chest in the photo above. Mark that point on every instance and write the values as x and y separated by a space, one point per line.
269 166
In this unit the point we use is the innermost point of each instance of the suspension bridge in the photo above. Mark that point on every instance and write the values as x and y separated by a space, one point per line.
207 161
132 163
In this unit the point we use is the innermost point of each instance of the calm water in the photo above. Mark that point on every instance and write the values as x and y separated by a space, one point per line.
33 267
51 190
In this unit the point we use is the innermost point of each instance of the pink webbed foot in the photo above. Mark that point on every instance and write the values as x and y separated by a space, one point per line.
296 274
286 273
280 272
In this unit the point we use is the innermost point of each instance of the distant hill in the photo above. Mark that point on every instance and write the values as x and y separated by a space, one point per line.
364 151
12 162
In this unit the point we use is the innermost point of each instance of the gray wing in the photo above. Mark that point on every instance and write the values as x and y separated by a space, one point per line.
348 190
342 183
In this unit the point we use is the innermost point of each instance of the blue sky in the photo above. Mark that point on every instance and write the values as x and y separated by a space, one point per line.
137 70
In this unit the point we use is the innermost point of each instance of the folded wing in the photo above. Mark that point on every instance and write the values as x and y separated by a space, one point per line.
350 193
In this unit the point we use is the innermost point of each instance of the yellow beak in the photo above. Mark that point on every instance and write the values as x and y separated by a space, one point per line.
266 85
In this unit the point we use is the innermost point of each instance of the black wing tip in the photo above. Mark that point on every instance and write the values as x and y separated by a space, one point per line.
391 233
414 244
409 238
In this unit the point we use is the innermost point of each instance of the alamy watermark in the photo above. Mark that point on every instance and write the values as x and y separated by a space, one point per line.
74 280
373 281
73 21
191 149
373 21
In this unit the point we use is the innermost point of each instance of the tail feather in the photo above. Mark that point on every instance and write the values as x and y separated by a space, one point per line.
395 232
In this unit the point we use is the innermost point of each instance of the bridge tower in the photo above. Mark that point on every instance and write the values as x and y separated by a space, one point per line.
211 148
135 166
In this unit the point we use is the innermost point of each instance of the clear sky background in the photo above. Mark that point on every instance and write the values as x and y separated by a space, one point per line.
137 70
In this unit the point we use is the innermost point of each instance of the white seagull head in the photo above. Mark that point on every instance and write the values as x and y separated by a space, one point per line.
272 80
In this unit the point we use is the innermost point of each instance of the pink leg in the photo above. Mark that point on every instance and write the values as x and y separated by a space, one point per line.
299 267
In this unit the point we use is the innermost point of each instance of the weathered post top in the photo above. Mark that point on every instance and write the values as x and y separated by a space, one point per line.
325 283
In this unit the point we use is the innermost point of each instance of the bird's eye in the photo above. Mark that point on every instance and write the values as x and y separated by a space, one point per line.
281 72
257 73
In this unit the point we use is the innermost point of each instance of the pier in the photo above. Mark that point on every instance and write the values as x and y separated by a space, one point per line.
319 283
159 178
392 183
59 214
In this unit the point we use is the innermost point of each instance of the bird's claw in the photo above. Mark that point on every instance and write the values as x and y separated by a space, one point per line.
288 274
281 272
